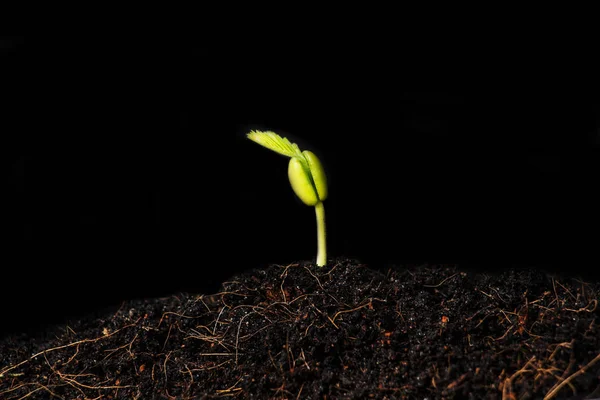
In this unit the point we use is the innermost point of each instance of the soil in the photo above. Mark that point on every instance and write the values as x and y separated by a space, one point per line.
344 331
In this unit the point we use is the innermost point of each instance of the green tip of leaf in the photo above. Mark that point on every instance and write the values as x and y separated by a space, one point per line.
273 141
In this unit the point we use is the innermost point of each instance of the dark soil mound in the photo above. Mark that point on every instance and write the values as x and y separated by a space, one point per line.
339 332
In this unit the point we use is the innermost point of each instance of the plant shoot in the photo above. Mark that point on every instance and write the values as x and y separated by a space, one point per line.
307 179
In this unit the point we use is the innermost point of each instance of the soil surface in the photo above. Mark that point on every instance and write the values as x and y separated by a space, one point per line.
339 332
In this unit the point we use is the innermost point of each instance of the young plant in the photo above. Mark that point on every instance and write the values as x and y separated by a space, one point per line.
307 178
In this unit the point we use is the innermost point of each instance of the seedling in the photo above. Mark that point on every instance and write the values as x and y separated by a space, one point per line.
307 178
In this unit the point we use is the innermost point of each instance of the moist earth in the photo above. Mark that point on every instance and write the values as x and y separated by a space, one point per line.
343 331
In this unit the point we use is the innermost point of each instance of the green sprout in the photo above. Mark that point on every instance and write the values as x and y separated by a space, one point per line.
307 178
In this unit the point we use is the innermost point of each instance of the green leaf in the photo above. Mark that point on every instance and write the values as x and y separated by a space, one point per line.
302 182
274 142
317 173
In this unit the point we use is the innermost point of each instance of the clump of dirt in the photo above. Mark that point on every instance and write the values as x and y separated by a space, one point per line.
340 332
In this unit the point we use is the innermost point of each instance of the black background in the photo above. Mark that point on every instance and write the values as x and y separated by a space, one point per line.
127 173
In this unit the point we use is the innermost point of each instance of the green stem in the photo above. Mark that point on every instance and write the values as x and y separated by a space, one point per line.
321 241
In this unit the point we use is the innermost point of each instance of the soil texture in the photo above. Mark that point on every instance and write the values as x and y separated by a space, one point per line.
344 331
